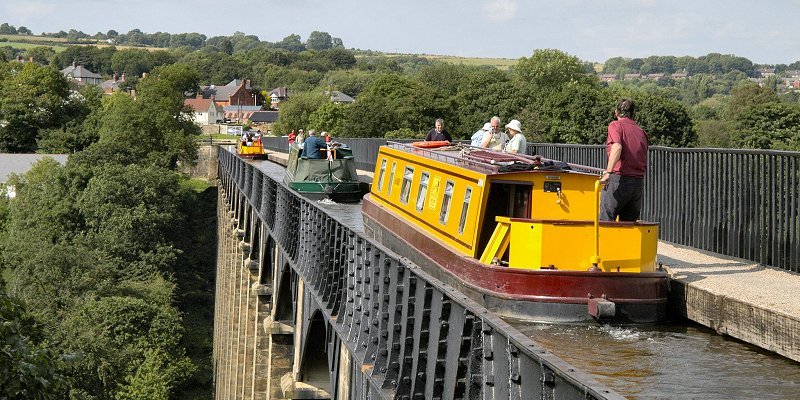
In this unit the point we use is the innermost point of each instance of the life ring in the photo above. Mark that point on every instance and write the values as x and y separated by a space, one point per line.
431 144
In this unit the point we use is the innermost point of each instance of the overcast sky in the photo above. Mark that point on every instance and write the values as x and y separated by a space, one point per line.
593 30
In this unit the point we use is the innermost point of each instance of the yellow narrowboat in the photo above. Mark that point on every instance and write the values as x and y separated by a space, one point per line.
517 233
254 150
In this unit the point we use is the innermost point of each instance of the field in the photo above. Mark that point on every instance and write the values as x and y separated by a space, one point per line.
58 44
499 63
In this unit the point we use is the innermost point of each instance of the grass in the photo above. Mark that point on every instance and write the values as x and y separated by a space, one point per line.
25 46
197 185
499 63
60 44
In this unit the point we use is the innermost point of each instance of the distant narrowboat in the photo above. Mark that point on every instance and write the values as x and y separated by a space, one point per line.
253 150
333 177
519 234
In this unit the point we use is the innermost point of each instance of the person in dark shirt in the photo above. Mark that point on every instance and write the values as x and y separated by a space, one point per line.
313 145
438 133
626 148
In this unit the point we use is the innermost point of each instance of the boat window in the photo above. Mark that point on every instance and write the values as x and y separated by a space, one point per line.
464 207
405 190
380 176
422 191
391 179
448 194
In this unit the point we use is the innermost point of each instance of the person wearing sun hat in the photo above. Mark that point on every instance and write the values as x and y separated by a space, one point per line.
517 143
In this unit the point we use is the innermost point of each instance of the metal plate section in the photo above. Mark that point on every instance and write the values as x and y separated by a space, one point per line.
551 186
408 335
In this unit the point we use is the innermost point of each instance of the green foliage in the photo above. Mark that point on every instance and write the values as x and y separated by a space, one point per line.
392 102
713 133
28 366
768 126
548 68
122 343
78 133
404 133
573 113
666 121
32 98
296 112
319 41
330 117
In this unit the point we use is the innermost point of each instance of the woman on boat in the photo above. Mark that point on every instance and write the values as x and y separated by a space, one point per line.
517 144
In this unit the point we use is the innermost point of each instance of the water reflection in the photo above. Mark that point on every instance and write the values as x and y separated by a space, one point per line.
676 361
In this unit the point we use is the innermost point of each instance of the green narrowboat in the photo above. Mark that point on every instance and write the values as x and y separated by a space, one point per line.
333 177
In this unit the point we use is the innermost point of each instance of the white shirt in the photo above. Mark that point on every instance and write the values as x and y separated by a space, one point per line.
497 141
517 144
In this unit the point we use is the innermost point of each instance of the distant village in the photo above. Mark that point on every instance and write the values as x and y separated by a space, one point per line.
790 78
235 102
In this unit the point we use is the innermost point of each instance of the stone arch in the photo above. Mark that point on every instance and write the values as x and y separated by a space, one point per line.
285 295
314 367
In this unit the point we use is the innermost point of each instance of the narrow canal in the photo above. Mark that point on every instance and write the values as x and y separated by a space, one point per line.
680 360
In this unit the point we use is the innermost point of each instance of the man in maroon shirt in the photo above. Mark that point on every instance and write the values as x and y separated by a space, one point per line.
626 148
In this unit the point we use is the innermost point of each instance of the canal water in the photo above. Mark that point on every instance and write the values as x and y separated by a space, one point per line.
673 361
679 360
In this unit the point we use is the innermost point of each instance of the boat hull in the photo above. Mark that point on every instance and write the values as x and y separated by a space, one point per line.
340 192
535 295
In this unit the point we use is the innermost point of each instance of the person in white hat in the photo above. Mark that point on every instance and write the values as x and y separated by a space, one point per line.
477 137
517 144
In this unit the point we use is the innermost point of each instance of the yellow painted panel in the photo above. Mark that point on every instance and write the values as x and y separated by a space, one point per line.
571 246
434 195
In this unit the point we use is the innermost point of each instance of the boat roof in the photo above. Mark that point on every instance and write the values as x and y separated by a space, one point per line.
492 162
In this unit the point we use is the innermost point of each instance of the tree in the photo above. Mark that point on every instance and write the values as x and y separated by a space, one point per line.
330 117
768 126
28 367
291 43
32 98
392 102
319 41
296 112
24 31
547 68
6 29
746 95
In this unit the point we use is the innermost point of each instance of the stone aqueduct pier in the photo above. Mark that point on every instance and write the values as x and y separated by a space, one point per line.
308 307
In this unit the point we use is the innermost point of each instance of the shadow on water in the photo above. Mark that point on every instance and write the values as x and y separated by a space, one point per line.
675 361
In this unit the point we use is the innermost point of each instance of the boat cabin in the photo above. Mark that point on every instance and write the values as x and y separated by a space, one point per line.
507 209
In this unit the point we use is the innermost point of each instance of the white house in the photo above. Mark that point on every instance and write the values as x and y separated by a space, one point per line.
206 111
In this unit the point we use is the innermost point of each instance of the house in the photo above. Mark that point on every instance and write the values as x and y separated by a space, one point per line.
766 72
81 75
236 92
206 111
276 96
655 77
263 117
680 75
112 85
632 76
340 98
240 113
607 77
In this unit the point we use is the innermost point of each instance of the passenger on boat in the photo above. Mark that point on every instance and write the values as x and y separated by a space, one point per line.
626 148
494 139
517 144
299 140
313 145
292 137
438 133
477 137
247 138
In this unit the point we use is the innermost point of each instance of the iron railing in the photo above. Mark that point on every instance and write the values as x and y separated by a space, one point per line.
740 203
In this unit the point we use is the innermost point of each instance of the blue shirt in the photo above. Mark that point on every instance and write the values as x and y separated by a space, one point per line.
312 147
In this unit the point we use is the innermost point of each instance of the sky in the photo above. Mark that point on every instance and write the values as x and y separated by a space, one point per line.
765 32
